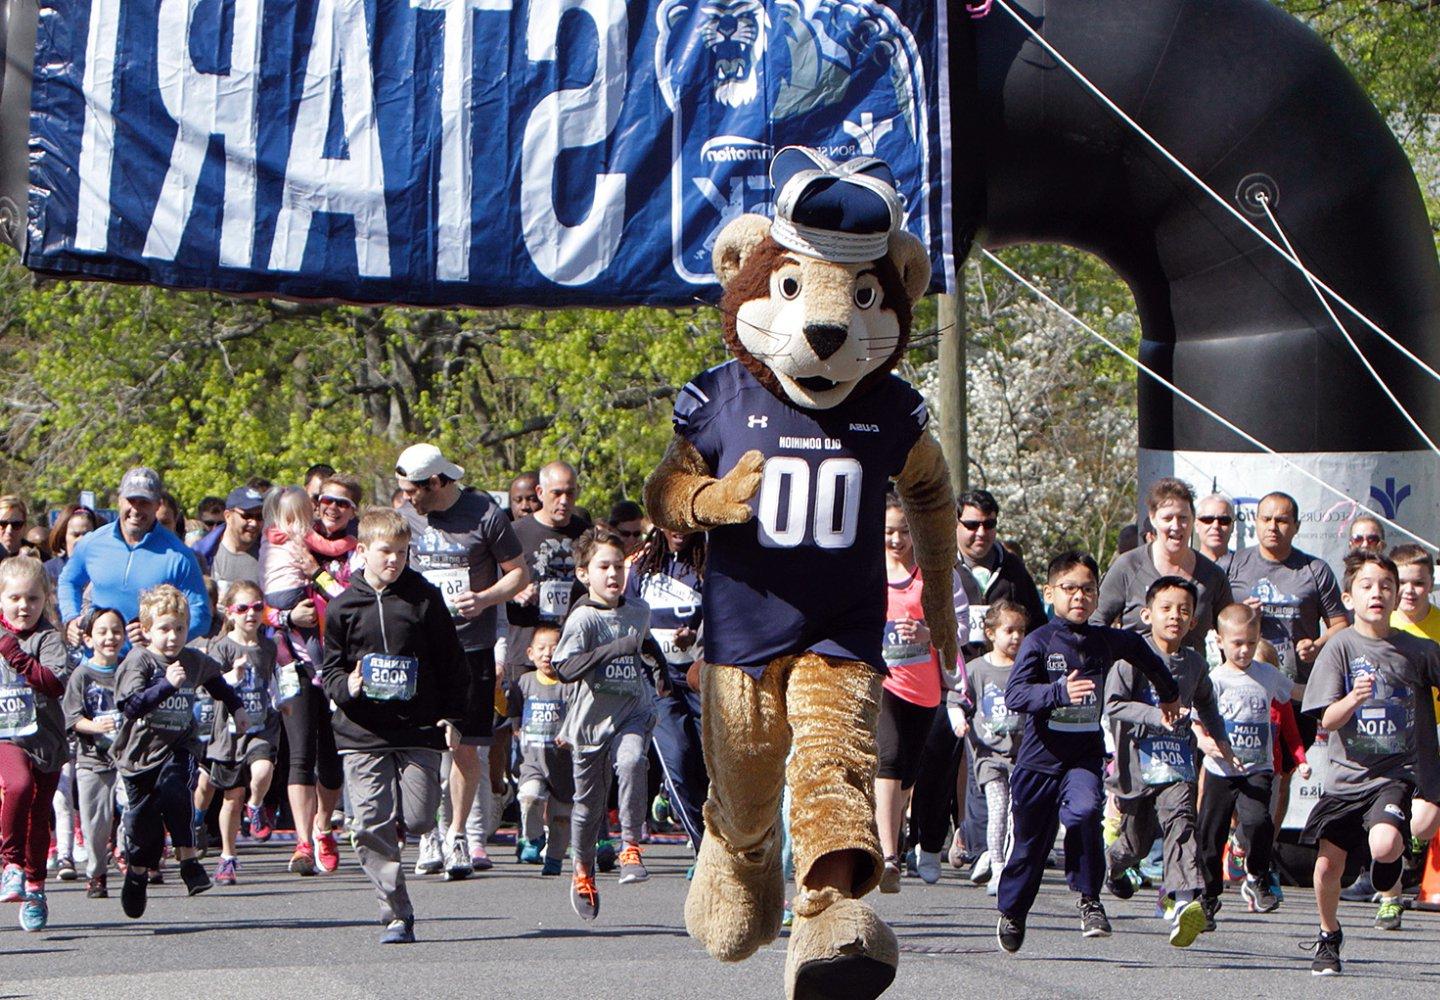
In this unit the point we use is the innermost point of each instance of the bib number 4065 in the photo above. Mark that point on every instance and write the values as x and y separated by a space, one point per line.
785 509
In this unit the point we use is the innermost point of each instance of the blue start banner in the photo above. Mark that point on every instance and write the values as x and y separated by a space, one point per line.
471 152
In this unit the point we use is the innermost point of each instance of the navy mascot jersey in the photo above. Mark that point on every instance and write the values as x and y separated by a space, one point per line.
807 572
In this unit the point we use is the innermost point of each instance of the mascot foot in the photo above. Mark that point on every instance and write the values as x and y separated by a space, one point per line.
736 899
844 952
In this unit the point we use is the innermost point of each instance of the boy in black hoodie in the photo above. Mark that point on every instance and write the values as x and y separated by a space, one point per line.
395 671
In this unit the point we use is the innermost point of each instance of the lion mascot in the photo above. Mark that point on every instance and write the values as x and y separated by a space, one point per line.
784 456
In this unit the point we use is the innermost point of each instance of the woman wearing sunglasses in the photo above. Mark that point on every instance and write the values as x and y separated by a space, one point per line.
1171 506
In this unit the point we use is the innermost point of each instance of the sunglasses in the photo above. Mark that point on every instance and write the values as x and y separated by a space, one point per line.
240 609
334 501
988 524
1366 539
12 524
629 534
1224 520
212 524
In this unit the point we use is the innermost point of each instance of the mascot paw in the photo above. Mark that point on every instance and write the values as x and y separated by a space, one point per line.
845 952
727 500
736 900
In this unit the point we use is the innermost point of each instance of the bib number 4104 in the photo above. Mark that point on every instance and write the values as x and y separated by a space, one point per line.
786 513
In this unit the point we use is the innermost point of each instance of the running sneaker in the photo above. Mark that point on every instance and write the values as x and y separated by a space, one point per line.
632 869
890 876
1212 907
992 888
132 894
552 866
529 852
34 911
1187 922
912 867
156 877
956 854
1257 895
327 852
192 873
1326 947
202 833
260 828
1362 890
983 868
432 855
225 871
1093 921
1272 879
65 868
927 863
480 859
1010 932
1234 860
1122 884
605 855
1390 914
302 862
660 811
96 888
458 864
584 897
12 884
399 932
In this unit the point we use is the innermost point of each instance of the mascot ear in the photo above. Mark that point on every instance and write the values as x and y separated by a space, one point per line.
735 244
908 255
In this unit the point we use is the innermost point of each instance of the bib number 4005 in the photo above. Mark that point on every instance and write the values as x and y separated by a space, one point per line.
785 507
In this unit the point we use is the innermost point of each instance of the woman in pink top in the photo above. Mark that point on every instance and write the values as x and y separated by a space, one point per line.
912 690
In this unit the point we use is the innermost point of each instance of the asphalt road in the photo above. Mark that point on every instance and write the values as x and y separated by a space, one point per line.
510 933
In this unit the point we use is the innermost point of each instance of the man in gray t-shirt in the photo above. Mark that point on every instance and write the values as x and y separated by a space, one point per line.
236 555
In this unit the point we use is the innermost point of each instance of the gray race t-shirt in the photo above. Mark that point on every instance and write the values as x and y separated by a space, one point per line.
1243 698
461 549
143 743
228 567
613 692
550 556
1122 594
1147 752
90 694
256 690
1391 737
993 728
1297 596
46 745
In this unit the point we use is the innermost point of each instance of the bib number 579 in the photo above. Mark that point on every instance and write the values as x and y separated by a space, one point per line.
785 509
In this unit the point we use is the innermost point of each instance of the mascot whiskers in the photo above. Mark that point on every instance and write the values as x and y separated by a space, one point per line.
784 456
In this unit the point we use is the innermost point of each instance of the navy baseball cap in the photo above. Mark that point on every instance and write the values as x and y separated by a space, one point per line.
244 498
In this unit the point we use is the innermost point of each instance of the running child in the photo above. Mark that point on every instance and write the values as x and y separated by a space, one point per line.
1155 778
1247 691
90 714
1370 690
394 668
33 666
611 710
546 779
242 761
978 713
157 740
1056 684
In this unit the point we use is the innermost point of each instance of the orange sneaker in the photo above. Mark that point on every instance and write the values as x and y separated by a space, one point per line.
632 869
584 897
302 862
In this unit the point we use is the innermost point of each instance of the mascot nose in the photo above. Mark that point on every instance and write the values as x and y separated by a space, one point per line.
825 338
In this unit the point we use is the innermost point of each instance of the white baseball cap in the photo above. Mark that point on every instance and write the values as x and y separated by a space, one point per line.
419 462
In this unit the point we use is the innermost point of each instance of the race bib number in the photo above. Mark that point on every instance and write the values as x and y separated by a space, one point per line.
287 683
177 713
898 653
1250 741
1165 760
17 711
452 581
620 676
104 741
540 723
673 653
389 678
1001 721
554 599
1082 716
977 621
256 701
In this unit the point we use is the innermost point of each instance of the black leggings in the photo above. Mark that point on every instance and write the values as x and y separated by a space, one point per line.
932 808
900 736
1249 799
311 740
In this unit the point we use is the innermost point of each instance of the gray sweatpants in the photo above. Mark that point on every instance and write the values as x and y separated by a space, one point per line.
371 778
626 752
1161 809
97 816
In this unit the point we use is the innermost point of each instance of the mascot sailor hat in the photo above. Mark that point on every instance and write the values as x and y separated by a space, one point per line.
840 212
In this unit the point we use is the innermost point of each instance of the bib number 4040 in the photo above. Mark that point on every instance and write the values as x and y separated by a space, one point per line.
787 515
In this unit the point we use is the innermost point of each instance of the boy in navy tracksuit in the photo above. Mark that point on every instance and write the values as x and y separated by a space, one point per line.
1056 684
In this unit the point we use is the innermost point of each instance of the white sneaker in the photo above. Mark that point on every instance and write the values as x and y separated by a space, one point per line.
957 852
927 863
457 861
432 858
981 870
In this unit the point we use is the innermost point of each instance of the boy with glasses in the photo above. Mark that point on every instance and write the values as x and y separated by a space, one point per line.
1056 684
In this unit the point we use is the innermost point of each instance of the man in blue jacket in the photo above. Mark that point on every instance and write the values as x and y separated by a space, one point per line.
134 553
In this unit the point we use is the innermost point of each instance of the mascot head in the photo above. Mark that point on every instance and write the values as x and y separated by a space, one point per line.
817 303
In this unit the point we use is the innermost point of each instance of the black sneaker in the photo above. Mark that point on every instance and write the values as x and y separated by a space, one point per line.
1122 884
1093 922
192 873
1258 895
1010 932
1327 953
132 894
1212 907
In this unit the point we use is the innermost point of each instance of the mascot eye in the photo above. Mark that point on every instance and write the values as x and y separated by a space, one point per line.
789 287
866 297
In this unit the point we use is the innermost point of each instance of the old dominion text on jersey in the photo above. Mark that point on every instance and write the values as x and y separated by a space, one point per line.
816 539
